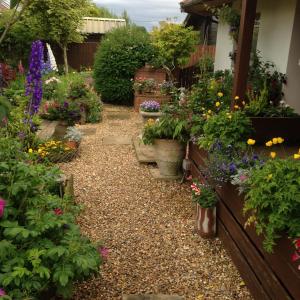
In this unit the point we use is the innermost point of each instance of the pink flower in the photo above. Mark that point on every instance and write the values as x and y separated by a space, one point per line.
2 206
297 244
2 293
243 177
295 257
103 252
58 211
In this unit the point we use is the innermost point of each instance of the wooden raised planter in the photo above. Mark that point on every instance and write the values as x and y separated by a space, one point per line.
268 276
268 128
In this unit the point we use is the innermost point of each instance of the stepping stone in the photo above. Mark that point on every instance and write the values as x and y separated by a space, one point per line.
118 116
156 174
117 140
47 129
152 297
144 153
88 131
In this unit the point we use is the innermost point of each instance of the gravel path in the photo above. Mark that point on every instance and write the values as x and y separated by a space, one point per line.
146 224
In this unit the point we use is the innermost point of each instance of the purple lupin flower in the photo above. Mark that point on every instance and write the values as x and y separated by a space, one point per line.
34 83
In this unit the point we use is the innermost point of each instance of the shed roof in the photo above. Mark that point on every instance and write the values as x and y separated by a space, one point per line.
101 25
200 6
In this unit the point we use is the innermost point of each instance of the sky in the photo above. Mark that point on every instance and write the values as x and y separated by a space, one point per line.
145 13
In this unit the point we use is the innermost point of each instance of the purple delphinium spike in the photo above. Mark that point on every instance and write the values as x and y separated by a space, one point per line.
34 83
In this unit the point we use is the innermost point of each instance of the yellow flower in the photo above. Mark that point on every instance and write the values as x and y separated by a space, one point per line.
230 117
218 104
220 94
30 150
40 151
273 154
251 142
275 141
269 144
270 176
297 156
204 115
209 112
236 107
236 98
244 103
280 140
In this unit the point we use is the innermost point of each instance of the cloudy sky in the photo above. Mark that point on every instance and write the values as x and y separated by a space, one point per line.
146 13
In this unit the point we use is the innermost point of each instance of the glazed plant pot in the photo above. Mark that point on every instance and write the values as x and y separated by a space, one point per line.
169 156
150 115
206 225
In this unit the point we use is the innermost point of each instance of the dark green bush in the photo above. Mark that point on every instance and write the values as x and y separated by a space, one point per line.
121 54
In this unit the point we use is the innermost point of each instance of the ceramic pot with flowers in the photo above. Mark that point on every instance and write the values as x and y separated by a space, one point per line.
150 110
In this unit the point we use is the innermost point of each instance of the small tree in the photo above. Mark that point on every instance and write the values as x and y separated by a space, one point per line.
59 21
174 43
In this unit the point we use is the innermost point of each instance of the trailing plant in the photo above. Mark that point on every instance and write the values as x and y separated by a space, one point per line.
228 128
272 201
204 195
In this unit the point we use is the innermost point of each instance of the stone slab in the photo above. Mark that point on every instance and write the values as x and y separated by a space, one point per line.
144 153
152 297
47 129
88 131
118 116
117 140
156 174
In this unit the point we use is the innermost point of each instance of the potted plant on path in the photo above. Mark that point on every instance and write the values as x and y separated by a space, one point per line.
150 110
73 137
206 201
169 135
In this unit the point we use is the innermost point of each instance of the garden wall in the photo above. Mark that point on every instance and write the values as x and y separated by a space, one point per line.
268 276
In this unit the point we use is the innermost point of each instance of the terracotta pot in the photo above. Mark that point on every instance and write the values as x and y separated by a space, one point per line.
150 115
71 144
206 222
169 156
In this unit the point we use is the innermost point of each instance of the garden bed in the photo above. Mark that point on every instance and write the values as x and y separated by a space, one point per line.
268 276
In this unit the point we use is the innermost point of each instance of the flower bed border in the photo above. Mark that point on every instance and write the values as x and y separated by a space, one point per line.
268 276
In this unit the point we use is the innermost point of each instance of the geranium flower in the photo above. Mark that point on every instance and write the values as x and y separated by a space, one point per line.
58 211
2 206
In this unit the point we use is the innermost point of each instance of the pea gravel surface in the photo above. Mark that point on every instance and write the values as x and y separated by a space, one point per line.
148 225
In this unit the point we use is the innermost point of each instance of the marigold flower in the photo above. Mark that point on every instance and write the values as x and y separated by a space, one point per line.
220 94
273 154
269 144
297 156
218 104
275 141
280 140
251 142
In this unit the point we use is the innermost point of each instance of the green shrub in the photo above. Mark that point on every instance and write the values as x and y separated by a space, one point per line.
41 247
120 55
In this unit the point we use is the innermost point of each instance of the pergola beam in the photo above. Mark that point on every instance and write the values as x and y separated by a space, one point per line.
241 69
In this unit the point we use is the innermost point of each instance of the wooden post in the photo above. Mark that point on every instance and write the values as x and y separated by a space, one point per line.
241 68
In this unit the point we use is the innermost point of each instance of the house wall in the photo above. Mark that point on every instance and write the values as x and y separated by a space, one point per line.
275 30
223 48
292 91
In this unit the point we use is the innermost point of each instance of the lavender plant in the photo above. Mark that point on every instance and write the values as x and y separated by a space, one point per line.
150 106
34 83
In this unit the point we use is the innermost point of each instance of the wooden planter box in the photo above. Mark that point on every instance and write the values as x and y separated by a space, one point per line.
268 276
140 98
268 128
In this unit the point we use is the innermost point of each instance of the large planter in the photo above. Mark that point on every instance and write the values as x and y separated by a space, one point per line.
169 155
150 115
158 97
206 222
268 128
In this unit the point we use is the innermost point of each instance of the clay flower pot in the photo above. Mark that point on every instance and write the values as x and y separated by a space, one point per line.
169 155
206 221
71 144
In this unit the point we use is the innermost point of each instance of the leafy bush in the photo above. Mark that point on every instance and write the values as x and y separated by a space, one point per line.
228 128
273 201
41 248
120 55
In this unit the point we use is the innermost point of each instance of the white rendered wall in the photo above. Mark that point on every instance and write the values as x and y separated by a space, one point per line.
275 30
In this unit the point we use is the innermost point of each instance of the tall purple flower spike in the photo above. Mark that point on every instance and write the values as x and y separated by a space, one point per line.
34 83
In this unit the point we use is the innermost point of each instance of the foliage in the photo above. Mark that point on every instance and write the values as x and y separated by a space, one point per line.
273 200
174 43
50 87
172 125
5 108
144 85
228 128
204 195
73 134
150 106
41 248
93 10
120 55
167 88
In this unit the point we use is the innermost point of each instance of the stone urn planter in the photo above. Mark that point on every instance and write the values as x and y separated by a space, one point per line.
61 129
169 155
150 115
206 222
